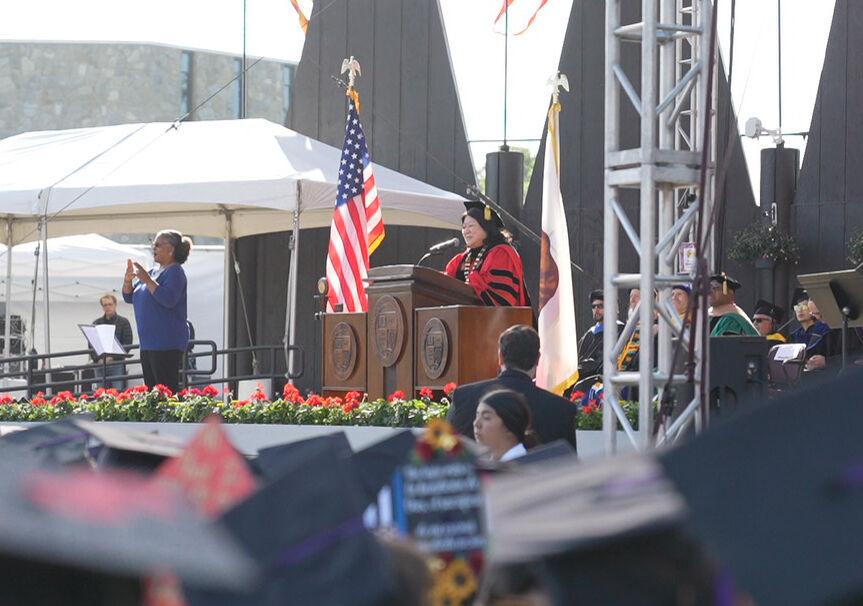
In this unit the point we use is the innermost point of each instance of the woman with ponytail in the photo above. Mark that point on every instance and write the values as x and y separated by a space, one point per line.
159 299
503 424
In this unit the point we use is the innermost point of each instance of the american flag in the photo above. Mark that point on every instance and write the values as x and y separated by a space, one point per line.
358 227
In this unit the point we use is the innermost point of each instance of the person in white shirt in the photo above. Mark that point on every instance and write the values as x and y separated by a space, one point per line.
503 424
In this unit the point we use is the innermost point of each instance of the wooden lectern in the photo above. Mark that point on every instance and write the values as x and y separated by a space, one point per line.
459 343
344 353
394 292
423 328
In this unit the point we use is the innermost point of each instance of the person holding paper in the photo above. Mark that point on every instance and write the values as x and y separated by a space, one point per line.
159 298
123 333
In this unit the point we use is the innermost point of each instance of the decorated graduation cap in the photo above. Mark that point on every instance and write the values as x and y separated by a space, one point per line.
767 308
210 471
485 215
726 281
305 530
784 520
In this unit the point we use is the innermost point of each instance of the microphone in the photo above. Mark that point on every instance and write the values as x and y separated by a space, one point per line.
442 246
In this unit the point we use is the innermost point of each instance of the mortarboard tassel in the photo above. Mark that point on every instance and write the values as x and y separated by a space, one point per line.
486 212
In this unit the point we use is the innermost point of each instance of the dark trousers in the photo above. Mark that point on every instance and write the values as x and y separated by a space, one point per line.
162 368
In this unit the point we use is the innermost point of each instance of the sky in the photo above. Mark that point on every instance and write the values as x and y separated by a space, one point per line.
476 48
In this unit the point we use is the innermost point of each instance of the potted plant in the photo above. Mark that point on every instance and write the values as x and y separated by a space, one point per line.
855 248
764 243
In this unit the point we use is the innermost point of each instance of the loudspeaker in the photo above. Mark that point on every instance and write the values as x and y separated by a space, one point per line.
738 372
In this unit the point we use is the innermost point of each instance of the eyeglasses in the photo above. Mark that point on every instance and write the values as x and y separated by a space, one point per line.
804 306
597 306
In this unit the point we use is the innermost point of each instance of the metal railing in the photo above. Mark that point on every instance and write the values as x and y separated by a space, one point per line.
40 373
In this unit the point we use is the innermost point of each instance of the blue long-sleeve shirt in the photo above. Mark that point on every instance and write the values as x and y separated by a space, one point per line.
161 316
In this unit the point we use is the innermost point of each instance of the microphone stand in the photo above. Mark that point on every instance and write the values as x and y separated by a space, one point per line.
423 258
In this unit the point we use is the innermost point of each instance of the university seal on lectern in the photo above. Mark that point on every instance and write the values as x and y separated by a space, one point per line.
343 350
388 321
435 348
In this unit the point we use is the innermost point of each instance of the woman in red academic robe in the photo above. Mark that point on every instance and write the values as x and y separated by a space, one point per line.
490 264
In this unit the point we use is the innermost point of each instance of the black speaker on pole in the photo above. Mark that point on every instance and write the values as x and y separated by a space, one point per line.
780 167
504 182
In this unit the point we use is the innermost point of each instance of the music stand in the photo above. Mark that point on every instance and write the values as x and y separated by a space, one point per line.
103 339
839 297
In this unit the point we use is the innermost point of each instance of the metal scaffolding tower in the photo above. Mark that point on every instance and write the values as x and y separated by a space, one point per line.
674 36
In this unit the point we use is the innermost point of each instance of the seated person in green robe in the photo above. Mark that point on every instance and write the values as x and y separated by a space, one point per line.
726 318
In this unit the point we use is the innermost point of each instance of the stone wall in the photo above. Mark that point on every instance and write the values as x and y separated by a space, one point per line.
45 86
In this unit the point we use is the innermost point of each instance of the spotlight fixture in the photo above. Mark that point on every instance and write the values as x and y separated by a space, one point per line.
754 129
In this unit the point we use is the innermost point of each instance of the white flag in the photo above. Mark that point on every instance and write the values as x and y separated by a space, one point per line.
558 362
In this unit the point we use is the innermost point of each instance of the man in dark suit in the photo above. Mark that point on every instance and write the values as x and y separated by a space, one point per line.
518 353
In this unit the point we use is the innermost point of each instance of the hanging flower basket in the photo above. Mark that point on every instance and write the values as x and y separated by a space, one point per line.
768 242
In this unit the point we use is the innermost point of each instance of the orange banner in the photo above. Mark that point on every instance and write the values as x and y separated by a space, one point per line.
304 22
508 3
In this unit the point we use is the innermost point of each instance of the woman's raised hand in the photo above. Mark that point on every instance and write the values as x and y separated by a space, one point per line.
130 270
140 272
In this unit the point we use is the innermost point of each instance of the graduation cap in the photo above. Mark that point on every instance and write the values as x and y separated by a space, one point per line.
684 287
766 308
800 294
547 452
604 533
305 530
79 440
561 507
273 461
210 471
726 281
375 465
51 444
113 447
778 494
484 214
95 535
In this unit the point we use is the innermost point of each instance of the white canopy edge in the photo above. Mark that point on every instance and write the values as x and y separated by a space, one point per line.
141 178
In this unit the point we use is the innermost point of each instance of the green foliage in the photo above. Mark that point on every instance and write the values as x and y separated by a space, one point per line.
160 406
759 241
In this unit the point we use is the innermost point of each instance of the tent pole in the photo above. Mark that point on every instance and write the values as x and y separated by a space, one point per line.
46 312
291 313
35 284
226 305
46 315
7 331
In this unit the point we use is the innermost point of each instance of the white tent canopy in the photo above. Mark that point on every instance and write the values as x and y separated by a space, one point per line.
226 178
143 177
